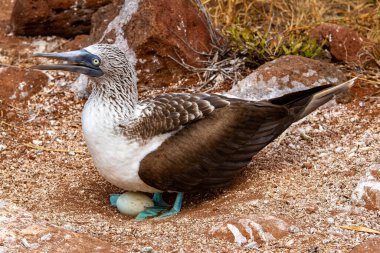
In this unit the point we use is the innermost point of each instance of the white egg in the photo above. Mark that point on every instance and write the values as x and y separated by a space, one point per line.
132 203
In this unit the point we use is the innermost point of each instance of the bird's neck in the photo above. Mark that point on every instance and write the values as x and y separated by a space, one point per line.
119 95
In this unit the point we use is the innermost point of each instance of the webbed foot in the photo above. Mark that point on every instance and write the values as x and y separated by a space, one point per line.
176 207
159 206
150 212
158 200
113 199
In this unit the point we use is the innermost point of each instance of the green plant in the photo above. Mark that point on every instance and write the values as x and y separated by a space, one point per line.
258 47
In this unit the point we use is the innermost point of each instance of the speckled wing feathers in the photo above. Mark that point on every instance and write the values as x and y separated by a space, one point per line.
170 112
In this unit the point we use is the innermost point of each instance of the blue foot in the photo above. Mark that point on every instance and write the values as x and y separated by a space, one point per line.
150 212
113 199
168 214
176 207
158 200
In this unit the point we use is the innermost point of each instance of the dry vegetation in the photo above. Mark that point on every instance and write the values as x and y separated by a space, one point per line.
291 16
258 31
270 29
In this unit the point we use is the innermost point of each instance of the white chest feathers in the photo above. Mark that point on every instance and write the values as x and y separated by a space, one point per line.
116 157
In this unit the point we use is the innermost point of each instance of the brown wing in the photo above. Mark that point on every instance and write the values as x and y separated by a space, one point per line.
209 153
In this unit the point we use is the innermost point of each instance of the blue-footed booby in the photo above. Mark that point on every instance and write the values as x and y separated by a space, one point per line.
175 142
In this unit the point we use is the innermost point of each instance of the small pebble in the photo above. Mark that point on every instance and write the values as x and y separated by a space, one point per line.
25 243
251 245
254 202
46 237
330 220
304 136
147 250
50 133
2 147
313 249
37 142
289 243
69 227
326 241
307 165
294 229
312 230
11 115
311 209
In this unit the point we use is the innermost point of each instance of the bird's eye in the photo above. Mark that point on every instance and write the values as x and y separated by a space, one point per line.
96 62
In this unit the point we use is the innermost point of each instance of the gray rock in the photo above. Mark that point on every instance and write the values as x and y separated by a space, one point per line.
284 75
147 250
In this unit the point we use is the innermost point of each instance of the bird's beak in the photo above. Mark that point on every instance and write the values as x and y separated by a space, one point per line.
83 62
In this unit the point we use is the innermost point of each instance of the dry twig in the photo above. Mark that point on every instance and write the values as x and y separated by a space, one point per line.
361 229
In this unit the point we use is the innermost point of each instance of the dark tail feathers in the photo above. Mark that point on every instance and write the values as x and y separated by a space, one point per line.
304 102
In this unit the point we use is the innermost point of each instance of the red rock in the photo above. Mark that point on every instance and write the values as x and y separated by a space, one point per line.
20 231
159 29
19 83
65 18
256 228
12 48
311 209
367 192
375 171
77 43
6 8
67 4
369 246
344 43
284 75
372 197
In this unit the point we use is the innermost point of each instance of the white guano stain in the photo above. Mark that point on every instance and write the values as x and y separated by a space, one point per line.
263 235
117 25
368 181
255 88
309 73
248 229
239 237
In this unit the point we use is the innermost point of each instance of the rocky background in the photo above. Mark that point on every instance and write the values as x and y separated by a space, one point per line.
315 189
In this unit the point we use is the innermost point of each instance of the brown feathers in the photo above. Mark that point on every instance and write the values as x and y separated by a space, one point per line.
207 154
170 112
219 135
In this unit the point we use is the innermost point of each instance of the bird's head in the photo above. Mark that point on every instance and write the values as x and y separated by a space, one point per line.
99 60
